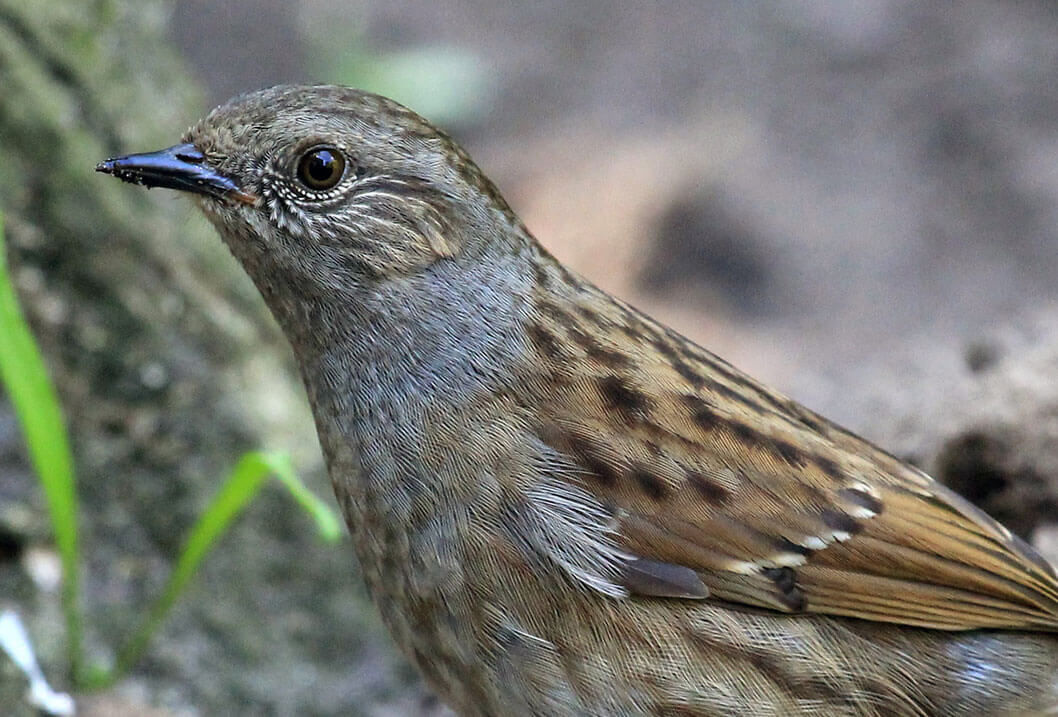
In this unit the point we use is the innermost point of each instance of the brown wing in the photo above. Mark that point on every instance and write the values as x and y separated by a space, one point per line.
770 504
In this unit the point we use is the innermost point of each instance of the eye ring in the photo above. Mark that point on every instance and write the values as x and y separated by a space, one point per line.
321 168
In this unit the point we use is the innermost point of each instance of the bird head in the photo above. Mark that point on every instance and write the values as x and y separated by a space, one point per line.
327 186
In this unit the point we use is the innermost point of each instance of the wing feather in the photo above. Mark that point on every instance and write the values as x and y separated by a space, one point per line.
770 504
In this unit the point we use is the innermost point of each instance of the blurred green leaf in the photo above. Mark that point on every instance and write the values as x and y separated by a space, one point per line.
445 84
37 407
237 491
327 522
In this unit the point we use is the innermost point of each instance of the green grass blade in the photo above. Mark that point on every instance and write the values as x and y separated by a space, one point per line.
327 522
236 492
37 407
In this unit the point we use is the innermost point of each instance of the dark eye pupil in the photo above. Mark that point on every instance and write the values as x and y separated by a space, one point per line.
321 165
321 168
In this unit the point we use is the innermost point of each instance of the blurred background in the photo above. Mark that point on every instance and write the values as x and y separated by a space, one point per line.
854 200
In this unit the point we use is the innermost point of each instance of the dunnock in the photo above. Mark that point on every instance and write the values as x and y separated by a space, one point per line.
563 507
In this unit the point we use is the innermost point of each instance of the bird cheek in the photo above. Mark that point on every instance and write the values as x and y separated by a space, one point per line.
288 219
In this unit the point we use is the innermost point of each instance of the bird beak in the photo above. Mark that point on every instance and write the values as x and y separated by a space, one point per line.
180 167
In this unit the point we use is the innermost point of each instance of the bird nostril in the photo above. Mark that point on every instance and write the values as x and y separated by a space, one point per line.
191 155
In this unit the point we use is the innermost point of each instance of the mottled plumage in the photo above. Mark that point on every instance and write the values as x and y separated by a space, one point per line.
561 506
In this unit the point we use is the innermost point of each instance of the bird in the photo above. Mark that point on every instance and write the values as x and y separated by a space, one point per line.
560 505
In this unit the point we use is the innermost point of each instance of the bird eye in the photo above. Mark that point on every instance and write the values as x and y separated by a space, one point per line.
321 168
